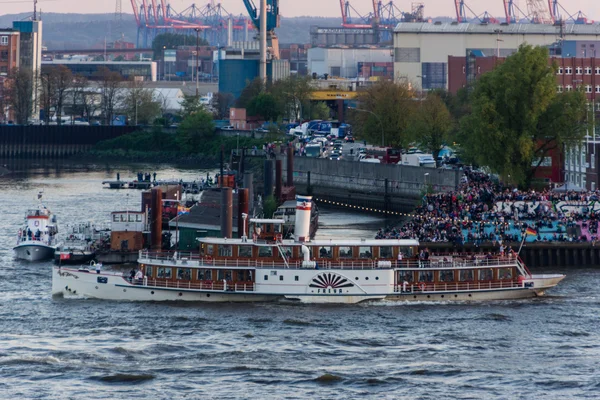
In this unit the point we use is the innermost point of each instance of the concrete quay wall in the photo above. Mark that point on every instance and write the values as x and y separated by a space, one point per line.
402 180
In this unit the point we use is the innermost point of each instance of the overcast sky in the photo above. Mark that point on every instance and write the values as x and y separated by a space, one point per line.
292 8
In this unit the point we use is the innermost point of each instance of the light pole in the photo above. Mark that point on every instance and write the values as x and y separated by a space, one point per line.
376 116
197 32
177 221
498 40
425 178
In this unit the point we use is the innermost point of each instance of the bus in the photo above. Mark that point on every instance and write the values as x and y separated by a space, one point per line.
386 155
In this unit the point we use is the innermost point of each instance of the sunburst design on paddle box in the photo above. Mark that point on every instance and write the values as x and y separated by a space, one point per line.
329 280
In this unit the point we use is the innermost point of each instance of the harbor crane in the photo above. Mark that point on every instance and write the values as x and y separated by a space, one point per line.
461 14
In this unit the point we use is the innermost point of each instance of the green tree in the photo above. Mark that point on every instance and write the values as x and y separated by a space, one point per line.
139 103
293 95
319 110
264 105
190 105
386 106
166 41
221 103
253 88
518 117
430 124
19 90
194 131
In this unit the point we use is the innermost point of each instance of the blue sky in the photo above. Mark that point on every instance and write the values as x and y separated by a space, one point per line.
292 8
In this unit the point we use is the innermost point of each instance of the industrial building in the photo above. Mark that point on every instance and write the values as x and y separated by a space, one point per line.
144 70
340 36
421 50
344 62
9 50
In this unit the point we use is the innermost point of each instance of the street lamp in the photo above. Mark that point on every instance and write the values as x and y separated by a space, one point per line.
425 178
197 32
498 40
376 116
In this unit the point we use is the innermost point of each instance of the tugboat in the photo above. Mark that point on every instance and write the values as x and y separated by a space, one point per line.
36 241
80 244
265 267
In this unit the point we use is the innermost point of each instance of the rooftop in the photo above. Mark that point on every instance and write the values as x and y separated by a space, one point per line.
507 29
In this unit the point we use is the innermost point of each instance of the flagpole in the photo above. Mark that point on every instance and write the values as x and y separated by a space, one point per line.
522 241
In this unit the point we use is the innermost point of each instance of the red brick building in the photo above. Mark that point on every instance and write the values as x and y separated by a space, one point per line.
9 50
579 165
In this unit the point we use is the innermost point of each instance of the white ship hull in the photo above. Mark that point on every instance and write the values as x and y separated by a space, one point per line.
34 251
111 286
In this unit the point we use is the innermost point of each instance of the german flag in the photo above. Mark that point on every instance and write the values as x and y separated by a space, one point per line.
530 231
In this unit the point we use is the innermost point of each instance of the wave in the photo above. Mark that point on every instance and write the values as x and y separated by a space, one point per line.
124 351
494 317
124 378
43 360
427 372
291 321
574 334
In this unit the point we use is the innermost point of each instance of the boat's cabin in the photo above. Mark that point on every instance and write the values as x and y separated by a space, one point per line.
324 251
266 229
132 221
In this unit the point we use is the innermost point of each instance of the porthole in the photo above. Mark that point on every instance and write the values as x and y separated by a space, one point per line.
428 296
124 290
442 296
180 294
376 278
367 278
415 297
207 294
356 278
152 292
469 294
96 287
455 295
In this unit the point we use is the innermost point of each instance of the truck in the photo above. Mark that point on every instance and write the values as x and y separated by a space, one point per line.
418 160
314 150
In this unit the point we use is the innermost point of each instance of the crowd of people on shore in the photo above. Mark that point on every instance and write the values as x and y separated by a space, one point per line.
481 210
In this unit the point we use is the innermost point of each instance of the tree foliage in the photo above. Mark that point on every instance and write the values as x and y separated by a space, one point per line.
190 105
194 131
221 103
384 110
172 41
140 104
293 96
518 117
109 83
264 105
253 88
19 91
430 124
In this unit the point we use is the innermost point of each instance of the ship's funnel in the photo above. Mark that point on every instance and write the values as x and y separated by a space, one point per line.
302 228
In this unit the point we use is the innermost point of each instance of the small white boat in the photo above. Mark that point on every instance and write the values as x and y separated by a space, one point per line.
37 240
266 267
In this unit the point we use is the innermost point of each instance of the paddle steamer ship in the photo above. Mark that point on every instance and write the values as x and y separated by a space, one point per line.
261 266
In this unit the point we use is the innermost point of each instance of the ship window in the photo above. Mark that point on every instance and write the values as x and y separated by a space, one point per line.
245 251
486 274
115 217
287 250
405 276
446 276
465 275
164 273
208 274
385 252
138 218
425 276
325 252
296 278
345 252
265 251
220 274
209 249
200 274
505 273
365 252
184 273
131 217
225 250
266 277
240 275
149 271
280 277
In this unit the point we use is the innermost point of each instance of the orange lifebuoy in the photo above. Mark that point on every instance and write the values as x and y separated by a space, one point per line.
422 286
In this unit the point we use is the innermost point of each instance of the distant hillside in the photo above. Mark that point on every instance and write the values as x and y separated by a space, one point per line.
76 31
